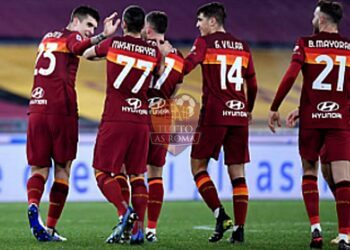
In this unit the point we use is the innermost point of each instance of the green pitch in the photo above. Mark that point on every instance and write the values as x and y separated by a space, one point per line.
183 225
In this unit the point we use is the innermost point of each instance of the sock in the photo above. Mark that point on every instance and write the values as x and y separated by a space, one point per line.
316 226
240 200
58 196
207 190
139 199
35 188
124 185
155 201
311 198
343 206
111 190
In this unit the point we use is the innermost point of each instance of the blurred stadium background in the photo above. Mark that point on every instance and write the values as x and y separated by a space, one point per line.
271 27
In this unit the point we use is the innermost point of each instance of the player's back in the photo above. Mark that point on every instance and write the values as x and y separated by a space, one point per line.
326 82
131 62
54 75
226 64
165 85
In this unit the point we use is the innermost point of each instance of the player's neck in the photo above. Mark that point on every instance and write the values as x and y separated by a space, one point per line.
329 28
218 29
136 35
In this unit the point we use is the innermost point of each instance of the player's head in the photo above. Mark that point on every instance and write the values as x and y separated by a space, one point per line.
210 17
84 19
156 24
327 12
133 19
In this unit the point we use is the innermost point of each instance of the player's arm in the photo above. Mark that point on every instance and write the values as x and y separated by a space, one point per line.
286 84
99 51
77 46
196 56
252 86
292 118
164 48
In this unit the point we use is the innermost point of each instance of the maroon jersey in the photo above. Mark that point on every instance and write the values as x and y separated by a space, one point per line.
325 64
55 71
226 62
163 87
131 63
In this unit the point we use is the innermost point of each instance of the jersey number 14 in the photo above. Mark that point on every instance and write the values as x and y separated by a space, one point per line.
236 68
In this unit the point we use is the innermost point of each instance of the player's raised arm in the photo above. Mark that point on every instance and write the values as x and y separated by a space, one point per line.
165 48
196 55
77 45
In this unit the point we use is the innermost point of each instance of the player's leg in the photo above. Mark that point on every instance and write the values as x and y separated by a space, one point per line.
35 190
209 145
326 170
338 146
39 158
58 196
122 179
155 200
156 161
136 167
341 174
110 149
310 143
139 198
236 155
64 131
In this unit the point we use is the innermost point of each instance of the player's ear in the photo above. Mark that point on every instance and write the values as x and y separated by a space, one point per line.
212 21
123 25
75 21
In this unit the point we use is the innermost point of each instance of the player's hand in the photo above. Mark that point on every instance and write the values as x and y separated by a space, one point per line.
250 118
274 117
165 47
110 25
292 118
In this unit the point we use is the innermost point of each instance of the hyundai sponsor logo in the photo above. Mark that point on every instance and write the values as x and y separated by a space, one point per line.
327 106
156 103
38 93
135 103
235 105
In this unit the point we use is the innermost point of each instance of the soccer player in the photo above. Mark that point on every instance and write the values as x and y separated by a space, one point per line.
323 59
291 120
159 94
53 119
226 112
123 134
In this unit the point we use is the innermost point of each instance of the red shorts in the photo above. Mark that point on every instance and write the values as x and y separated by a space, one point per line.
336 143
121 142
51 137
157 154
233 138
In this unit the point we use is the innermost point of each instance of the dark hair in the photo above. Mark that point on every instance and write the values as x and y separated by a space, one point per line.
215 9
333 9
82 12
158 20
134 18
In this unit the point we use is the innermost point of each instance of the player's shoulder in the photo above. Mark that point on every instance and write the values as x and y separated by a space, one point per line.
176 52
63 34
